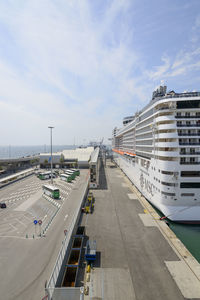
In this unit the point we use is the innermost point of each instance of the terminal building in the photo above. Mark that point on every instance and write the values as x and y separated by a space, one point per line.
87 158
94 168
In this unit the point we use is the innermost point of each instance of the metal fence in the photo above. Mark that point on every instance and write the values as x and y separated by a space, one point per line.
66 293
57 293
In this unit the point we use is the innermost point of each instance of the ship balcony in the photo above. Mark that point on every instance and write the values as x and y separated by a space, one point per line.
144 146
189 162
163 109
146 131
144 153
190 153
145 127
188 125
166 144
165 126
164 118
149 138
166 153
189 144
188 117
166 135
167 165
188 167
188 134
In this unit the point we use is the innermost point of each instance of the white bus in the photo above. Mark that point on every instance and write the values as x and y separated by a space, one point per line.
66 177
77 171
51 191
46 175
71 173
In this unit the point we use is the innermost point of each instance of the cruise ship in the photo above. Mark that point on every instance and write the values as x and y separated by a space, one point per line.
158 148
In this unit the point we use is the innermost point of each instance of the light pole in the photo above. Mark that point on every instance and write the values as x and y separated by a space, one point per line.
51 154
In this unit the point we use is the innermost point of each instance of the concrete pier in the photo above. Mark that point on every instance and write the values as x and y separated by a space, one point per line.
138 256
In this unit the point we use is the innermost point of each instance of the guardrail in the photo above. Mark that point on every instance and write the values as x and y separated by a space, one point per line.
15 177
51 285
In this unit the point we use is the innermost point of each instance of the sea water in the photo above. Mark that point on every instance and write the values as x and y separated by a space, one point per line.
22 151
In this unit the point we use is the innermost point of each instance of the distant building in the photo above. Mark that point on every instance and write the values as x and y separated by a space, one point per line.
80 157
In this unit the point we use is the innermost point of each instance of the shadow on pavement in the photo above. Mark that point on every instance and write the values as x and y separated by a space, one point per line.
97 262
102 177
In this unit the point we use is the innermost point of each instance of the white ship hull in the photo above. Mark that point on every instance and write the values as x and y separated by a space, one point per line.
185 210
159 150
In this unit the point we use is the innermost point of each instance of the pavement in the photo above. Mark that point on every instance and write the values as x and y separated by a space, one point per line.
138 256
26 259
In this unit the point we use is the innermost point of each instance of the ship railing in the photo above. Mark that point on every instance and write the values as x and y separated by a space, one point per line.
190 134
187 117
183 95
182 144
190 162
189 153
188 125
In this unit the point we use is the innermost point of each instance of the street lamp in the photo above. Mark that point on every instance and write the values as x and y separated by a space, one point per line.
51 154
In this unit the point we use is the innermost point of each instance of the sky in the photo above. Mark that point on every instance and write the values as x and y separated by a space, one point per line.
83 65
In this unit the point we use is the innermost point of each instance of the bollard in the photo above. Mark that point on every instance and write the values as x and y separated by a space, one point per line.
88 269
27 236
33 236
81 293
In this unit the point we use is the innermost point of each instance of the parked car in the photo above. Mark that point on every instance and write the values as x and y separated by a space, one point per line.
3 205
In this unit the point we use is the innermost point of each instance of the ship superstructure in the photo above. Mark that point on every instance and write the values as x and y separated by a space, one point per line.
159 150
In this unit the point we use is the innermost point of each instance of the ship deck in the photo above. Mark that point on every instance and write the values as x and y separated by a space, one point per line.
138 256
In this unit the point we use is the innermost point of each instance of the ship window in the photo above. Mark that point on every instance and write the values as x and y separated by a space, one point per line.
168 183
168 194
187 195
190 185
188 104
169 173
190 173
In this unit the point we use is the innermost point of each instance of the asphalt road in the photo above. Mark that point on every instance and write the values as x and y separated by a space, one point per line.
131 251
26 263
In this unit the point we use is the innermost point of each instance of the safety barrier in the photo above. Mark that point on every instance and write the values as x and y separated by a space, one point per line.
15 177
53 292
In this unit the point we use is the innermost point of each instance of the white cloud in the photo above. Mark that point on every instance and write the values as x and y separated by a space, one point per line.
160 71
57 43
71 62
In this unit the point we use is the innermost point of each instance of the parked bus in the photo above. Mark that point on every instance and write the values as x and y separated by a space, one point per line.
77 171
51 191
71 173
45 175
66 177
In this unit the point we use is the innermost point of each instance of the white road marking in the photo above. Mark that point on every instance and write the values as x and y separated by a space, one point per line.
21 222
184 278
65 217
15 228
44 218
132 196
125 184
147 220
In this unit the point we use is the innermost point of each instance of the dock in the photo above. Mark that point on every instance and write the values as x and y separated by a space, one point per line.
137 255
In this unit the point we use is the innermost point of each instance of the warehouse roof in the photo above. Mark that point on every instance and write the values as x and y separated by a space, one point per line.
94 156
81 154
